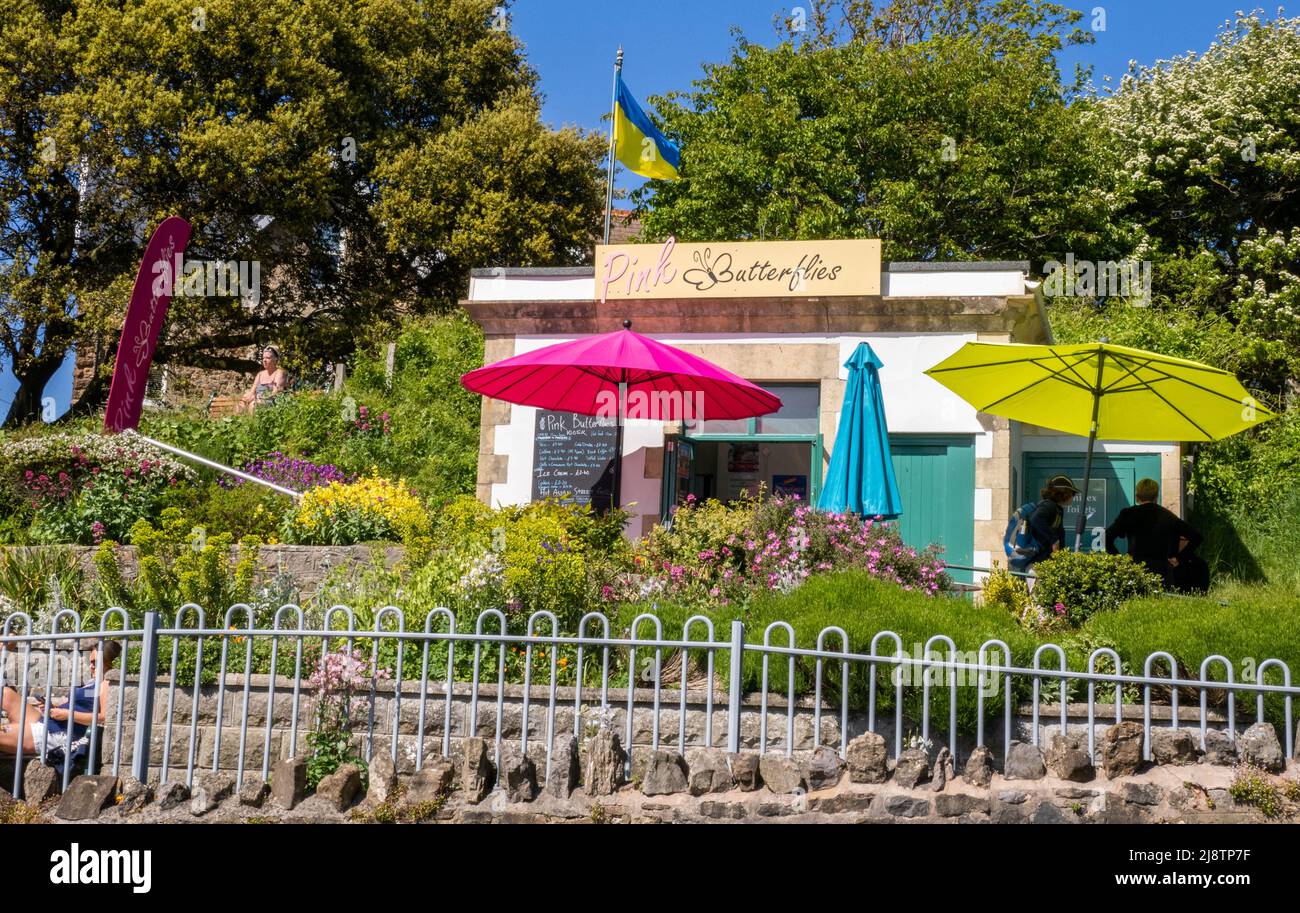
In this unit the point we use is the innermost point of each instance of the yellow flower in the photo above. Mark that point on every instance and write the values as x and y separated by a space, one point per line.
382 503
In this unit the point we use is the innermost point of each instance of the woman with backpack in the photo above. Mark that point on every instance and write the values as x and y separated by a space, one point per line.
1046 526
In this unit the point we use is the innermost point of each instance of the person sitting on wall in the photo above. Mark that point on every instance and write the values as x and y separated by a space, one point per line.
1160 540
48 726
1047 522
269 383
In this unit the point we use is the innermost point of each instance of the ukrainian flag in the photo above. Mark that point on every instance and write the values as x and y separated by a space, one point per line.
638 144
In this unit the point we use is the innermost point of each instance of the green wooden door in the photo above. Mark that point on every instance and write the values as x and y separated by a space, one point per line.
1114 476
936 480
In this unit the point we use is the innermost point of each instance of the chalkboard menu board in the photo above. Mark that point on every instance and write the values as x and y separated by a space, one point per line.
573 457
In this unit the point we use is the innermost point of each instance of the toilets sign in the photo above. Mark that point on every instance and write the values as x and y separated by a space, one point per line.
738 269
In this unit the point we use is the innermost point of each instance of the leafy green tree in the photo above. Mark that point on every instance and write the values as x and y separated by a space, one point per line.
38 202
1209 146
942 128
1001 25
320 139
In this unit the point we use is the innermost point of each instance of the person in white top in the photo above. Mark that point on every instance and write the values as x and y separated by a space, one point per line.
268 383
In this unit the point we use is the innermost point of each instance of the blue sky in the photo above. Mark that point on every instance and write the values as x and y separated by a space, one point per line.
572 43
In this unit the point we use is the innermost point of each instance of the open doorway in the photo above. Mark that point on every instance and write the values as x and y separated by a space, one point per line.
727 470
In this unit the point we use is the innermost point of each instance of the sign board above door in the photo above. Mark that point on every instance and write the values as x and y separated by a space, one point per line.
738 269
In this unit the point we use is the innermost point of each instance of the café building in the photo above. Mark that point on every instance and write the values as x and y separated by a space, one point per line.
787 315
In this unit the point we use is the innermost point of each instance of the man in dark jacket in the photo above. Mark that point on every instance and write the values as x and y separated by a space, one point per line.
1157 538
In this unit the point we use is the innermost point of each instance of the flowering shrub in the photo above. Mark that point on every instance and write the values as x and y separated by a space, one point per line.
345 513
88 487
798 541
713 554
1004 590
290 472
337 678
364 423
702 558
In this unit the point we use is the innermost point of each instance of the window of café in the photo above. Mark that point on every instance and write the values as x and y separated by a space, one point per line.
726 459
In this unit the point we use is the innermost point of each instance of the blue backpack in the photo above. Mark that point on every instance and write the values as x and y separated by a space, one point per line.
1018 541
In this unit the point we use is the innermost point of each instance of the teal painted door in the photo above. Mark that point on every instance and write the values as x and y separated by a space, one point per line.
936 480
1110 491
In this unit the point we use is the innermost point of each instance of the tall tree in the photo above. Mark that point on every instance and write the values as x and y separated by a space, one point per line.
940 127
39 269
1209 148
308 136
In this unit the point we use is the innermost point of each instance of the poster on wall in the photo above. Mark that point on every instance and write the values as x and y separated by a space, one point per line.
790 486
738 488
742 458
1096 522
573 458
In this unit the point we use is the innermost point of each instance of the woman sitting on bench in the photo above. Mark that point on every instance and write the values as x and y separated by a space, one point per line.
269 383
48 726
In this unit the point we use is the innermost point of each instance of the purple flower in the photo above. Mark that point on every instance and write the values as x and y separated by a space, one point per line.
291 472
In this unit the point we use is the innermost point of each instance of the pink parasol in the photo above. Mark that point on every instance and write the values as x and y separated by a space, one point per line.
622 374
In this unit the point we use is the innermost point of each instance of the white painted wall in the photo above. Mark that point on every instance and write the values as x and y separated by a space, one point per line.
931 283
953 282
532 288
1042 440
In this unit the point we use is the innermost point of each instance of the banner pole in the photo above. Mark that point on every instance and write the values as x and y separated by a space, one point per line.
613 120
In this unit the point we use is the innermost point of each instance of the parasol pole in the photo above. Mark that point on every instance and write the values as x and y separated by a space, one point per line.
618 443
616 500
1092 443
609 173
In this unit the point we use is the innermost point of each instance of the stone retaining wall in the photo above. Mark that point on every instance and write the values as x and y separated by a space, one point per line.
584 785
407 710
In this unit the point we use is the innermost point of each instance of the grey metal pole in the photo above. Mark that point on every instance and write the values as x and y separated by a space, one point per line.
733 696
1092 443
144 696
613 115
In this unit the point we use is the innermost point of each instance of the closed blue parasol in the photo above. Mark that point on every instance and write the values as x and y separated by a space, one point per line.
861 475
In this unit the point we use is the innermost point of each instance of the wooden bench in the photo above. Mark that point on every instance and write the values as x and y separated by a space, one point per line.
221 406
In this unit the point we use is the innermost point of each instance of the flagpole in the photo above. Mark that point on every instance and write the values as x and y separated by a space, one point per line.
613 119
